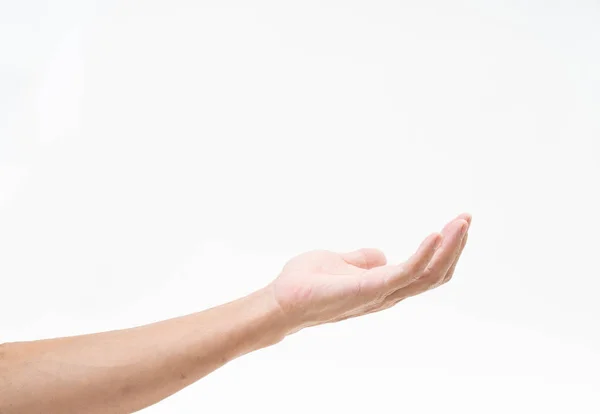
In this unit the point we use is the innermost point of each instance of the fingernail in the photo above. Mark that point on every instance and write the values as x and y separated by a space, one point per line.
438 243
464 228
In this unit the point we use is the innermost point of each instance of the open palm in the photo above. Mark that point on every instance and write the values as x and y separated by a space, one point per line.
323 286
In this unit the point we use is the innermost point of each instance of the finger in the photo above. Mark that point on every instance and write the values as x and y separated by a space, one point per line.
422 286
466 217
365 258
419 261
396 277
445 255
453 267
441 262
401 294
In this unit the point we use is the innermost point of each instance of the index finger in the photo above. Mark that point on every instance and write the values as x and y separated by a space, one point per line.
444 256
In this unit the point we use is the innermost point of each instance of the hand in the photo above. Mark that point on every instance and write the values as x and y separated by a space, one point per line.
322 286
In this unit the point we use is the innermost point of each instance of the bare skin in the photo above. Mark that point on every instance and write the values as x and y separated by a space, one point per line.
127 370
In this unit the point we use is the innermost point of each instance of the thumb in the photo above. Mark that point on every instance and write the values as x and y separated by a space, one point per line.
365 258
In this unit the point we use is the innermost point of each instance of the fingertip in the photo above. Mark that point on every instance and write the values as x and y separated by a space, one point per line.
463 226
431 242
377 257
466 217
366 258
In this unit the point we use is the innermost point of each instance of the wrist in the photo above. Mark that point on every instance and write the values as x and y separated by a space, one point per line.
266 323
280 323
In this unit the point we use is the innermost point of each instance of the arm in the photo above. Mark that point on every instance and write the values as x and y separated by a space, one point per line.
127 370
124 371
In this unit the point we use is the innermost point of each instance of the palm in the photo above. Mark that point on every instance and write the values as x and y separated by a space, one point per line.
323 286
319 278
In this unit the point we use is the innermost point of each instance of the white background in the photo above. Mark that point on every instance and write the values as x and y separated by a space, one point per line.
161 157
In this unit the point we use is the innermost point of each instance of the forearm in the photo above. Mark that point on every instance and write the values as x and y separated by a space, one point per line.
127 370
